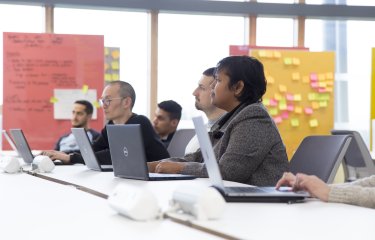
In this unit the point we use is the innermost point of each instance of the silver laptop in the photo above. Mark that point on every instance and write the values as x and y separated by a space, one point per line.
10 141
129 157
87 152
22 146
238 194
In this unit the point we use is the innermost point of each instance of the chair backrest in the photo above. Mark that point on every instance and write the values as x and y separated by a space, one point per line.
181 138
320 156
357 161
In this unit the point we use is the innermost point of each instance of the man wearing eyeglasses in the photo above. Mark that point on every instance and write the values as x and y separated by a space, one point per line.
117 100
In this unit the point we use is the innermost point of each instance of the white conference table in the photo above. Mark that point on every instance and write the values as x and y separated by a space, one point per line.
309 220
34 208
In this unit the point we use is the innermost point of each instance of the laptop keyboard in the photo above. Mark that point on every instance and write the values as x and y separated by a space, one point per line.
244 190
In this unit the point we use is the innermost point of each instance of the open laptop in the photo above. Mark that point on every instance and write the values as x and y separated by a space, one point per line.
129 157
87 152
11 143
21 145
238 194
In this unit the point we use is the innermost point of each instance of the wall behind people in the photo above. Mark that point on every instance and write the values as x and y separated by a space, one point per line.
36 68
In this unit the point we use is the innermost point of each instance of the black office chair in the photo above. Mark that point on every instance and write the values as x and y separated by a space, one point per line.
180 140
320 156
357 162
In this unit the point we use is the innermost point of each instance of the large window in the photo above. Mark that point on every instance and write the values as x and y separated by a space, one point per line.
14 18
188 45
352 44
275 32
126 30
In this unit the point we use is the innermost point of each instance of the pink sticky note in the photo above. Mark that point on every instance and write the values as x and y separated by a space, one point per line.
314 84
289 97
308 111
322 90
290 108
273 102
278 120
313 77
284 115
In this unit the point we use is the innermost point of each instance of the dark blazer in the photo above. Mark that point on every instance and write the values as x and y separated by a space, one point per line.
154 148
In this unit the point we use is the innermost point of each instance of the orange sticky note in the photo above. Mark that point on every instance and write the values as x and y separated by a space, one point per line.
305 79
282 88
296 61
315 105
329 76
115 54
296 76
314 123
53 100
298 109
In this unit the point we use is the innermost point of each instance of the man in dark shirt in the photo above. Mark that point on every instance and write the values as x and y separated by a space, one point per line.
81 116
117 100
167 117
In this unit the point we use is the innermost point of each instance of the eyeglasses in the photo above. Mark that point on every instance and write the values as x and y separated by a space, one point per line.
107 101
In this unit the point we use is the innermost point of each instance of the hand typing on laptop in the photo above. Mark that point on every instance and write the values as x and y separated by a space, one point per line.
165 167
57 155
302 182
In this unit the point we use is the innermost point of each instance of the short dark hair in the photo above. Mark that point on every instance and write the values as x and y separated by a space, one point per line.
173 108
126 90
89 109
209 72
248 69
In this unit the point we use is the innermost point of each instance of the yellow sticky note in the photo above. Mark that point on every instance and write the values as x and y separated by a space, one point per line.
297 97
314 123
53 100
269 54
311 96
115 77
321 77
322 84
294 122
282 88
329 89
296 76
270 80
115 54
282 105
85 88
298 109
277 54
262 53
323 104
287 61
277 96
96 104
329 83
329 76
266 101
108 77
115 65
296 61
106 51
273 111
315 105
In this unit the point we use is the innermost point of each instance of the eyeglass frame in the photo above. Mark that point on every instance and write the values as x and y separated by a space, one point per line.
107 101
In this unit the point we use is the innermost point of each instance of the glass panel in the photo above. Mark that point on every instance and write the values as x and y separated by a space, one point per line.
275 32
126 30
14 18
188 45
352 43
